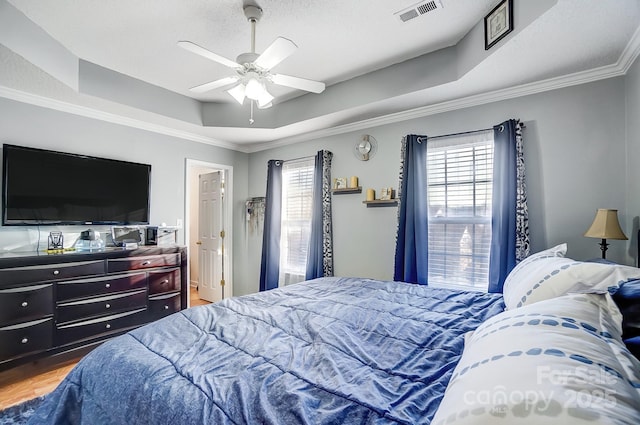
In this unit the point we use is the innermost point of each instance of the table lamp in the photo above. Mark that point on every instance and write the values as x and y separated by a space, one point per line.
605 226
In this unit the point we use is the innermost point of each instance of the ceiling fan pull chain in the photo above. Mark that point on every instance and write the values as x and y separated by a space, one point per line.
251 121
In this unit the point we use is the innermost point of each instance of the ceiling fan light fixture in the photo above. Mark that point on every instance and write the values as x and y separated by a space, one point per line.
253 70
264 99
238 92
255 89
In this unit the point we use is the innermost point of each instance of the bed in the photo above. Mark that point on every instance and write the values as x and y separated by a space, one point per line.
367 352
363 351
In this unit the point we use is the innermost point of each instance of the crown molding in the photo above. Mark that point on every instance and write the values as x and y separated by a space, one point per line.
88 112
626 59
620 68
583 77
630 52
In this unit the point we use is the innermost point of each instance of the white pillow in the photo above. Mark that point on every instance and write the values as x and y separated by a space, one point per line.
545 277
556 251
559 361
521 269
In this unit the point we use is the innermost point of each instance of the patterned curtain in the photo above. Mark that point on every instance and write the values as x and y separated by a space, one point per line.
522 211
270 266
320 254
411 257
509 223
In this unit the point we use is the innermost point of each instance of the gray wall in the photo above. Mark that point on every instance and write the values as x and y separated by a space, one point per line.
28 125
575 163
579 145
632 91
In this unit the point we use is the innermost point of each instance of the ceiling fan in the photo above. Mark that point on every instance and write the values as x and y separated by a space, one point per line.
253 71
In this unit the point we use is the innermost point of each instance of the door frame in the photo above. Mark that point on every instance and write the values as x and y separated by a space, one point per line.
191 165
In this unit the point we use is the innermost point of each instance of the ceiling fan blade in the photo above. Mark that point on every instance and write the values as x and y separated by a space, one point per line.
277 51
298 83
214 84
194 48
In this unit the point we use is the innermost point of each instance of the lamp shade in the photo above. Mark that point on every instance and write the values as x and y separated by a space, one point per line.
606 226
238 93
255 89
264 100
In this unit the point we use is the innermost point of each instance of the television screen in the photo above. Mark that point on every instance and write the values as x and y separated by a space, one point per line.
46 187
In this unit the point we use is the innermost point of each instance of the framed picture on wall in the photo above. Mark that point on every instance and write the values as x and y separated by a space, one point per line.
498 23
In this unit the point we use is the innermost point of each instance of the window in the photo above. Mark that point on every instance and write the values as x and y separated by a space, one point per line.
459 190
297 197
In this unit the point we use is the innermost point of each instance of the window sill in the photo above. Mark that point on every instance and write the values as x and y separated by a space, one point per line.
458 287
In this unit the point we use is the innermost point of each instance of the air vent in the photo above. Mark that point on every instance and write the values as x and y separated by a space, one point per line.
418 9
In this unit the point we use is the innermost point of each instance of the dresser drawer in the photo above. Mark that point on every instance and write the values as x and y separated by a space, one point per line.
94 328
84 288
164 305
26 338
109 304
43 273
146 262
25 303
162 281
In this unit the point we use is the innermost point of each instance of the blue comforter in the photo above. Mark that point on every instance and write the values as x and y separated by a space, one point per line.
328 351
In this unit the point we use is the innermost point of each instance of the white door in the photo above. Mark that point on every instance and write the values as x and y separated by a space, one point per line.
209 240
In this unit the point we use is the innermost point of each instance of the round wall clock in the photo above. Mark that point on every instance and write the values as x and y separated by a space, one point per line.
365 148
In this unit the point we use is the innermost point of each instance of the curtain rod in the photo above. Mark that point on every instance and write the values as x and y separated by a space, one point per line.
293 159
465 132
299 158
459 134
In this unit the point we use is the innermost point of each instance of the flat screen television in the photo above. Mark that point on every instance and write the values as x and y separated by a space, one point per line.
43 187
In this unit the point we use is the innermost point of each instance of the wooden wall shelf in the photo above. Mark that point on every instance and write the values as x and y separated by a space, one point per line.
346 190
381 203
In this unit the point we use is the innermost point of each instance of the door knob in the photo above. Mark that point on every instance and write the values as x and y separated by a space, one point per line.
198 243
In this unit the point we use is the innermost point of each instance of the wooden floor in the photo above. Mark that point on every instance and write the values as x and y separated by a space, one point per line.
31 380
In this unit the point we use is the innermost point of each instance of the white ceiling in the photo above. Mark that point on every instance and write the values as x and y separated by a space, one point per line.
339 42
336 39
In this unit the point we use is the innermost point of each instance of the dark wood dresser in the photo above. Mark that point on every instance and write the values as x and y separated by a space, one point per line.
58 303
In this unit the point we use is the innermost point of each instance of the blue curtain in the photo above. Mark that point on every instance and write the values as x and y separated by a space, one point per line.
270 266
320 253
503 222
411 256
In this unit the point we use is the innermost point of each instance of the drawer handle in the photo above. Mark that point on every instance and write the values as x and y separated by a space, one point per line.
108 285
24 340
146 263
107 306
56 272
108 326
166 307
165 281
24 304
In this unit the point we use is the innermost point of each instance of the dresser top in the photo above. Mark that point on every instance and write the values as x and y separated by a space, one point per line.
17 259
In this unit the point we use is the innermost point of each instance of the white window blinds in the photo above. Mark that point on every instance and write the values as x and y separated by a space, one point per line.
297 197
459 181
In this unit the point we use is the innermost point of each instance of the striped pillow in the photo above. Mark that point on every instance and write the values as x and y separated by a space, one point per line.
548 277
558 361
522 268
